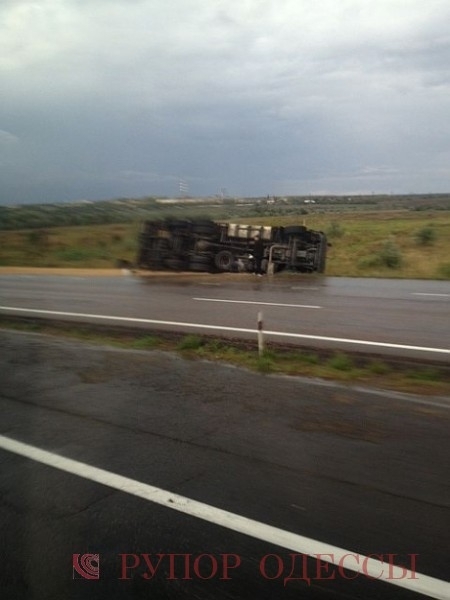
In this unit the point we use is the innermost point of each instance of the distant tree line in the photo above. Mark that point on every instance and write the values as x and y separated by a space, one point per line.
36 216
129 210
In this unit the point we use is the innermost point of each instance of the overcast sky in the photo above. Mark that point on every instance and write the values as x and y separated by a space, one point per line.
110 98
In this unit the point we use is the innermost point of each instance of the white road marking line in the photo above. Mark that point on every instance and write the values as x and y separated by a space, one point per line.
422 584
225 328
430 294
252 302
359 342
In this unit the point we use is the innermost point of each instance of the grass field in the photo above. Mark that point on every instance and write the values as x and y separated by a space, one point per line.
384 244
402 244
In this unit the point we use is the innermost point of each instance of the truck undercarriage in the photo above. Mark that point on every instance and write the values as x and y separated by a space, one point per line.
204 245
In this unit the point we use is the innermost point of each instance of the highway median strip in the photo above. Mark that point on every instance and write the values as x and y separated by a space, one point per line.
406 375
222 328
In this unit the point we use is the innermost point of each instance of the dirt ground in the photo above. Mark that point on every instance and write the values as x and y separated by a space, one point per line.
67 272
187 275
57 271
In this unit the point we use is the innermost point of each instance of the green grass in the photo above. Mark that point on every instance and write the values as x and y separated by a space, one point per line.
264 364
341 367
378 367
425 374
443 270
381 243
341 362
395 243
190 342
146 342
94 246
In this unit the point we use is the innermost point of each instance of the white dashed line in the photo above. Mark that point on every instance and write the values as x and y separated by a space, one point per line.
430 294
259 303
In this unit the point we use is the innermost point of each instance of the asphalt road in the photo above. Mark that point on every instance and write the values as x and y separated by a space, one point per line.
364 471
383 316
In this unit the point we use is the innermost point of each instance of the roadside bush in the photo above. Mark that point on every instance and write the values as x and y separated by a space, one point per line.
341 362
216 345
190 342
378 367
426 236
444 271
309 358
148 341
369 262
335 230
427 374
390 255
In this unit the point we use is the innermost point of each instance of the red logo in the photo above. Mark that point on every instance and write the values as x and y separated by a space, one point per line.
86 566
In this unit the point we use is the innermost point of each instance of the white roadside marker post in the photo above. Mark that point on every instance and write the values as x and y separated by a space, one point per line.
260 334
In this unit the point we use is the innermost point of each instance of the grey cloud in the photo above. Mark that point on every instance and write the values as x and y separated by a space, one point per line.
109 96
7 138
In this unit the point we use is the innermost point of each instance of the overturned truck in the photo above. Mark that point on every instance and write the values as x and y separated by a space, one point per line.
204 245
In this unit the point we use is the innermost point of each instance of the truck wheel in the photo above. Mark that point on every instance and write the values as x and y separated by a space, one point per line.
155 265
224 260
174 264
200 262
201 266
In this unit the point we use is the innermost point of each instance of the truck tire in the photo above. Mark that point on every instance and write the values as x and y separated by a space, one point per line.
224 260
174 264
199 267
200 262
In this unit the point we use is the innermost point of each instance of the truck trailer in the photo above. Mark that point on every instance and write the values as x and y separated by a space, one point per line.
205 245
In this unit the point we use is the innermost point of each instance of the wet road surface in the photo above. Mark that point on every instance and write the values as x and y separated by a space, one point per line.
404 317
364 471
